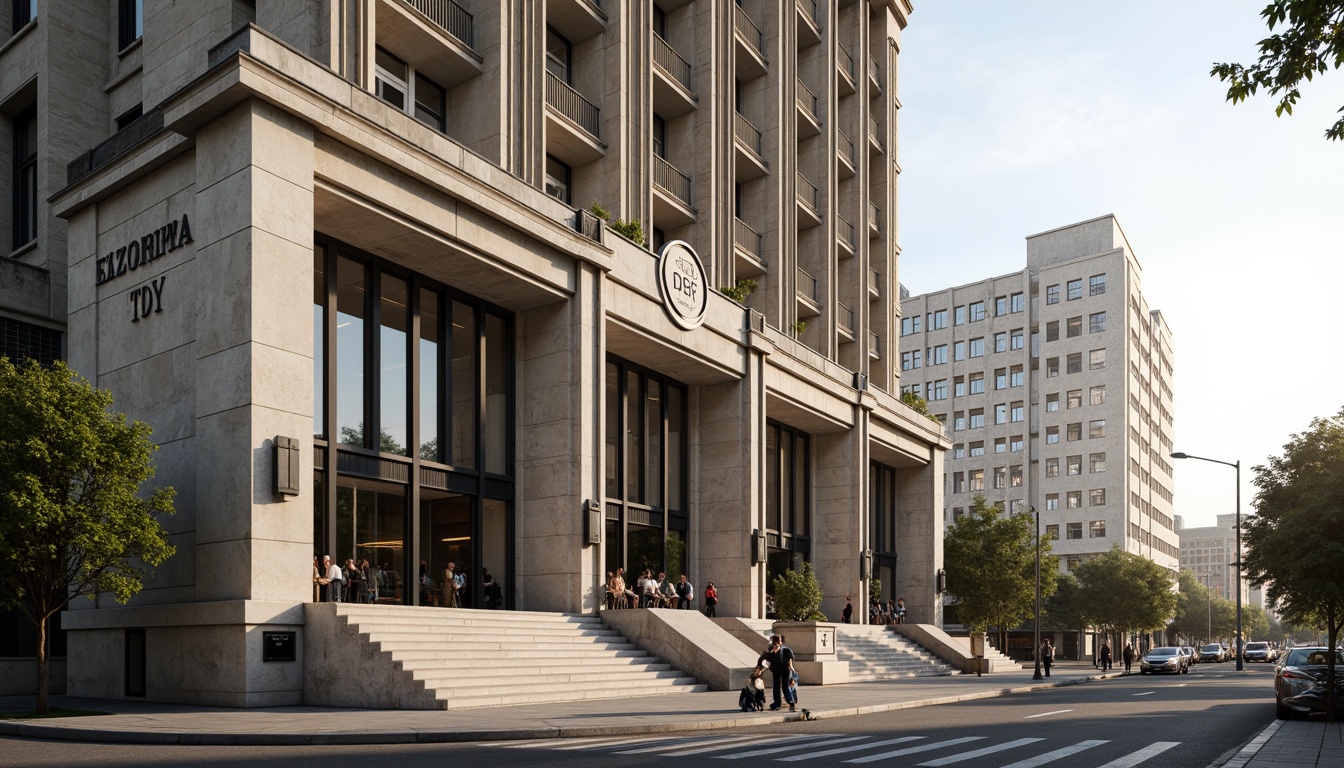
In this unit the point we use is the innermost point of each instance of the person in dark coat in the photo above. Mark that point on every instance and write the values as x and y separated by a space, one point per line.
849 610
1047 656
1105 657
779 658
1128 656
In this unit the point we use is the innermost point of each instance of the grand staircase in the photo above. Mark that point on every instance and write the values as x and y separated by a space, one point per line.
876 653
456 658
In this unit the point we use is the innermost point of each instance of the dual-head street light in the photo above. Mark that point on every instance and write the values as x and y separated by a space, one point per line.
1237 563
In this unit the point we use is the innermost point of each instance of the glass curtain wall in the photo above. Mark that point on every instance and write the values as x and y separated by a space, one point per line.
646 514
788 494
882 533
400 362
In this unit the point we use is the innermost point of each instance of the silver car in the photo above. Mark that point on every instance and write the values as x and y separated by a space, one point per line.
1164 659
1299 682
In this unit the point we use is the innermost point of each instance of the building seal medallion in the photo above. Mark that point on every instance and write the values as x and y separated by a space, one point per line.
683 284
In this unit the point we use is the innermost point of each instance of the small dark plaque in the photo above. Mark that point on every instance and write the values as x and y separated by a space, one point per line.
279 646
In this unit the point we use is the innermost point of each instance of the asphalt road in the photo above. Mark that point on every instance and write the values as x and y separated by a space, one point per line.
1185 721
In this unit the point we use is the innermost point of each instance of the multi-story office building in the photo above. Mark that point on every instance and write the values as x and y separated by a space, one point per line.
476 370
1209 552
1054 384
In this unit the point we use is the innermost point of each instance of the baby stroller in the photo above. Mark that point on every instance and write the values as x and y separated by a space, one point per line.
752 698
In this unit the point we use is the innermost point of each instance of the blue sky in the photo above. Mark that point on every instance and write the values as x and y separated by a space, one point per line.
1021 117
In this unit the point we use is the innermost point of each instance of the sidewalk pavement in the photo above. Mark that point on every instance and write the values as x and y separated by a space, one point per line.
1283 744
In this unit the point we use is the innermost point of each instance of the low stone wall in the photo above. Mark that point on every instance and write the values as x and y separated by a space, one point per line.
954 650
689 641
18 676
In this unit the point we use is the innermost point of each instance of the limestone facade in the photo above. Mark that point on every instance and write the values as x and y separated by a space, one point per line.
478 362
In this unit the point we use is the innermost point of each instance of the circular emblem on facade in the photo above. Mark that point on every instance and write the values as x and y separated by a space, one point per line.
683 284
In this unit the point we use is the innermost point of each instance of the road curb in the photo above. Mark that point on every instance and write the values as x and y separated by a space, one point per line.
50 732
1241 757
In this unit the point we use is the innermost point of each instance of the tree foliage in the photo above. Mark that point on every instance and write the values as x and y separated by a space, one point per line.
1295 540
1066 608
1126 592
72 520
1311 43
990 558
798 595
1194 608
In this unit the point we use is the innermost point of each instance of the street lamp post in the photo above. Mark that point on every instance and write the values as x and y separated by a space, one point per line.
1037 634
1236 465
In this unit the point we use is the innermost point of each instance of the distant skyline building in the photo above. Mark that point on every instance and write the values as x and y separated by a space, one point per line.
1055 385
1209 553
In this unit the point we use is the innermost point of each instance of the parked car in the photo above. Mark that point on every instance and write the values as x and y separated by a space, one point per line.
1191 658
1164 659
1211 652
1257 651
1299 682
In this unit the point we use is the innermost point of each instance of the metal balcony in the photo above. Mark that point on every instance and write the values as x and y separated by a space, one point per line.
673 182
567 101
451 17
671 62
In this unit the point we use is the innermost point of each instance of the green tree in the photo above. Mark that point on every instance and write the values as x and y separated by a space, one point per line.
990 559
1311 43
1126 592
1295 540
72 519
1194 608
798 595
1066 609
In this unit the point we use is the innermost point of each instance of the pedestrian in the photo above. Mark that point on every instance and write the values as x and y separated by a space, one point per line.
451 596
891 611
685 593
900 610
333 579
1105 657
779 657
1128 656
849 609
318 580
1047 656
711 599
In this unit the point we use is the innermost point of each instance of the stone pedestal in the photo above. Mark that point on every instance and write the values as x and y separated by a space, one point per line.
813 645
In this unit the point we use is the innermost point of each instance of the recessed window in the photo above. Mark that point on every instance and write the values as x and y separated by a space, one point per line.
977 311
1052 531
559 180
1097 463
1015 339
1001 413
24 12
1052 294
959 387
1000 478
1096 428
1074 465
975 479
1018 303
938 320
1015 476
959 315
1015 444
1051 367
1075 363
938 355
1052 330
1096 359
1052 402
1075 398
958 350
1096 285
1096 322
130 22
25 176
398 84
1001 378
1075 431
978 347
1075 530
1074 500
1016 376
1000 342
958 482
1097 497
1097 395
1075 326
1001 306
1051 435
1052 467
1000 445
977 416
1075 289
1097 529
129 116
1016 411
559 56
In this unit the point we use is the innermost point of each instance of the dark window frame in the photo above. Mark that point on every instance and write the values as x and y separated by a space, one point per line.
25 200
130 22
24 12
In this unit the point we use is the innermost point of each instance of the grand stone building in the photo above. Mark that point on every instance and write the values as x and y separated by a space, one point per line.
339 255
1055 384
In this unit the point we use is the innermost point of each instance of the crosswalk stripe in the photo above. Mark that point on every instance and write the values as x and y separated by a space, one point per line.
1046 714
692 743
540 743
912 750
1134 758
1146 693
1050 757
753 741
620 742
950 759
776 750
842 750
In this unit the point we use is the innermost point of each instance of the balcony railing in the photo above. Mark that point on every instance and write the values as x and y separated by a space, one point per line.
807 285
747 239
808 193
808 101
874 282
846 146
874 217
847 61
845 318
569 103
748 29
672 181
809 9
873 131
874 345
747 134
450 16
845 231
872 71
671 62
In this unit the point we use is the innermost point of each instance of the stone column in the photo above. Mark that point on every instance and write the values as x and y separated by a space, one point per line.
727 492
560 397
919 527
839 517
253 354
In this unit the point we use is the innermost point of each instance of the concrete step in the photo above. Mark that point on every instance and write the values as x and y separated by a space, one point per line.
546 627
448 639
634 663
576 680
544 696
485 659
485 646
